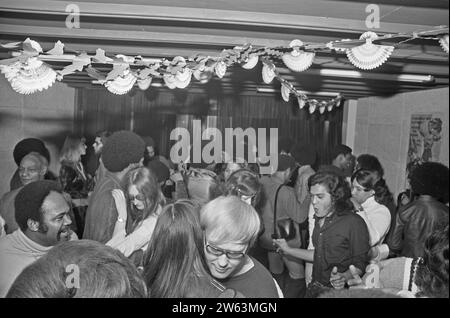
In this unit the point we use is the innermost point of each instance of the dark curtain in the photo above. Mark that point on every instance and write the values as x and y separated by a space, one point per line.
154 113
322 130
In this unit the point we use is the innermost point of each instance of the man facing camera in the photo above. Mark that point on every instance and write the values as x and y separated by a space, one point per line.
42 214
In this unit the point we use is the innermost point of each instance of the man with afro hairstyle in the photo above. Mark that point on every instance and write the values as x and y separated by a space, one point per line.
428 213
122 152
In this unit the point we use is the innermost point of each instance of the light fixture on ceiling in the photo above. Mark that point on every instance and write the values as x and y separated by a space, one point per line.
273 90
377 76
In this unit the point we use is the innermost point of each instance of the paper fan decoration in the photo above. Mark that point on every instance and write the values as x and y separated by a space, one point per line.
121 84
144 84
29 77
322 107
221 69
170 80
251 62
297 60
268 73
369 56
301 102
444 42
285 91
183 78
312 106
330 106
203 76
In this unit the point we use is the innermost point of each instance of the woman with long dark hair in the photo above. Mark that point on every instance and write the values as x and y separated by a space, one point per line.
174 265
138 211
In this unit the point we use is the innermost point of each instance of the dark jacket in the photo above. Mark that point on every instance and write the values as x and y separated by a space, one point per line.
414 223
102 214
73 181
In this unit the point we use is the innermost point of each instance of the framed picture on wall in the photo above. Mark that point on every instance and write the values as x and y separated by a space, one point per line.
425 139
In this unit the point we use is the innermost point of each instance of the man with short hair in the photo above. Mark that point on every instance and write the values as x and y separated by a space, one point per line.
230 228
33 167
123 151
288 208
341 161
23 148
42 214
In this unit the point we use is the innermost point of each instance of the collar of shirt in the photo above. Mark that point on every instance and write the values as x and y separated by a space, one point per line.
369 203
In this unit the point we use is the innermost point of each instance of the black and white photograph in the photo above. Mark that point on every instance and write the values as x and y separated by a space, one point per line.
222 154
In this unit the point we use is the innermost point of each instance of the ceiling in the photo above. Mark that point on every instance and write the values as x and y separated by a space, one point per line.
161 28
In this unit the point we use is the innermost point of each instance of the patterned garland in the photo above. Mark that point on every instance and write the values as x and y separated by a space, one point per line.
28 73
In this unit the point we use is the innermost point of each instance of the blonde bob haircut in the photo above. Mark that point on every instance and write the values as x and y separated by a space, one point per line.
229 219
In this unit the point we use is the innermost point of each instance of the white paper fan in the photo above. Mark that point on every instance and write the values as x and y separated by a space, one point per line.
121 84
170 80
369 56
221 69
285 91
183 78
144 84
322 107
268 73
203 76
251 62
29 77
444 42
301 102
330 106
312 106
298 60
35 45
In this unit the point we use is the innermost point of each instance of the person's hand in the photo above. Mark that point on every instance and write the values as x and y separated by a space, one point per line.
356 281
281 245
121 203
337 279
175 177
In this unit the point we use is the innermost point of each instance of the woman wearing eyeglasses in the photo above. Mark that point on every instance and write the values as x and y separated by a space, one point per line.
367 197
138 211
230 228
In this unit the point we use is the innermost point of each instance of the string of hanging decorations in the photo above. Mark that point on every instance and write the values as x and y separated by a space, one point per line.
28 73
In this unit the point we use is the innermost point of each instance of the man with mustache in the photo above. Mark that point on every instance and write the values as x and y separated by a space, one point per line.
42 214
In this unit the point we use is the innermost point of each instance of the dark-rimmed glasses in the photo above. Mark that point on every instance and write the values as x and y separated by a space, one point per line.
219 252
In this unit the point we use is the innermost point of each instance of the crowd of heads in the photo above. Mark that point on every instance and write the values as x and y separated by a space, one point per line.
199 241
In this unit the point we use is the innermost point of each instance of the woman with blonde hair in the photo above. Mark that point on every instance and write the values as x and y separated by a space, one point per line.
73 178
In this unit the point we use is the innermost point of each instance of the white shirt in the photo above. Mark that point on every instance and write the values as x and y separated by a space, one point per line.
2 227
378 220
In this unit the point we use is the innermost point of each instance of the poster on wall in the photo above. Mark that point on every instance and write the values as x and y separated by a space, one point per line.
425 139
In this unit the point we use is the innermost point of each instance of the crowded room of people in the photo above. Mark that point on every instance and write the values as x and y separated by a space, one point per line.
250 149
